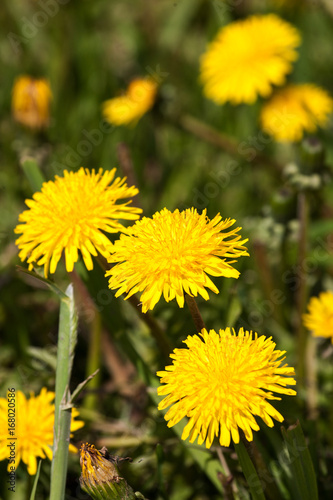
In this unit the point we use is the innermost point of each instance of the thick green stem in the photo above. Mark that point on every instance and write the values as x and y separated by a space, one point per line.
62 418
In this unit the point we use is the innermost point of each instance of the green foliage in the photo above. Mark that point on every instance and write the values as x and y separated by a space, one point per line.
90 51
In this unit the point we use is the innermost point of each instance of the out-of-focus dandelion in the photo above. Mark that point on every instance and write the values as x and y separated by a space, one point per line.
247 58
173 253
71 214
319 319
222 382
31 100
33 430
295 110
130 107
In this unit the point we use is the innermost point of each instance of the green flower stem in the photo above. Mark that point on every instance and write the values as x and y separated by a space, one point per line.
228 144
195 313
249 471
62 419
32 172
301 291
264 475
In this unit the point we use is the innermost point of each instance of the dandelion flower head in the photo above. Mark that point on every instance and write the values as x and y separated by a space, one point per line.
294 110
71 214
172 253
319 318
247 58
96 468
33 431
130 107
31 100
222 382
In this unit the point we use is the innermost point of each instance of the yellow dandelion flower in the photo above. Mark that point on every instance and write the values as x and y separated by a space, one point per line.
70 214
33 429
31 100
294 110
222 382
319 319
247 58
173 253
130 107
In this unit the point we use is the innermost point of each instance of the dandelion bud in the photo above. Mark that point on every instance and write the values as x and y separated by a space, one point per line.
100 476
31 102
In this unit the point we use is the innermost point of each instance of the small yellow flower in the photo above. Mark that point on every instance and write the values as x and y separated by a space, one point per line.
31 102
130 107
71 214
294 110
173 253
319 319
247 58
33 428
222 382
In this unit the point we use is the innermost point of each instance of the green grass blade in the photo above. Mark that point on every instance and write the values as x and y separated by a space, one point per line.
303 478
62 420
249 472
34 488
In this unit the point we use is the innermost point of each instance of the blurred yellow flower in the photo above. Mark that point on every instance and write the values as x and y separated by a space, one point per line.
173 253
33 428
71 214
222 382
31 100
247 58
319 319
130 107
294 110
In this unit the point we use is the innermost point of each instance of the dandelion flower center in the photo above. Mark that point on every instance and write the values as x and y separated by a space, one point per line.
221 382
173 253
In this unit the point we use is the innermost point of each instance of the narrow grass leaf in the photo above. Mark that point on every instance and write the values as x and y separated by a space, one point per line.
303 478
249 472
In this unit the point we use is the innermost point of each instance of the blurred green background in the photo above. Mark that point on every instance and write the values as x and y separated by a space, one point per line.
90 51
